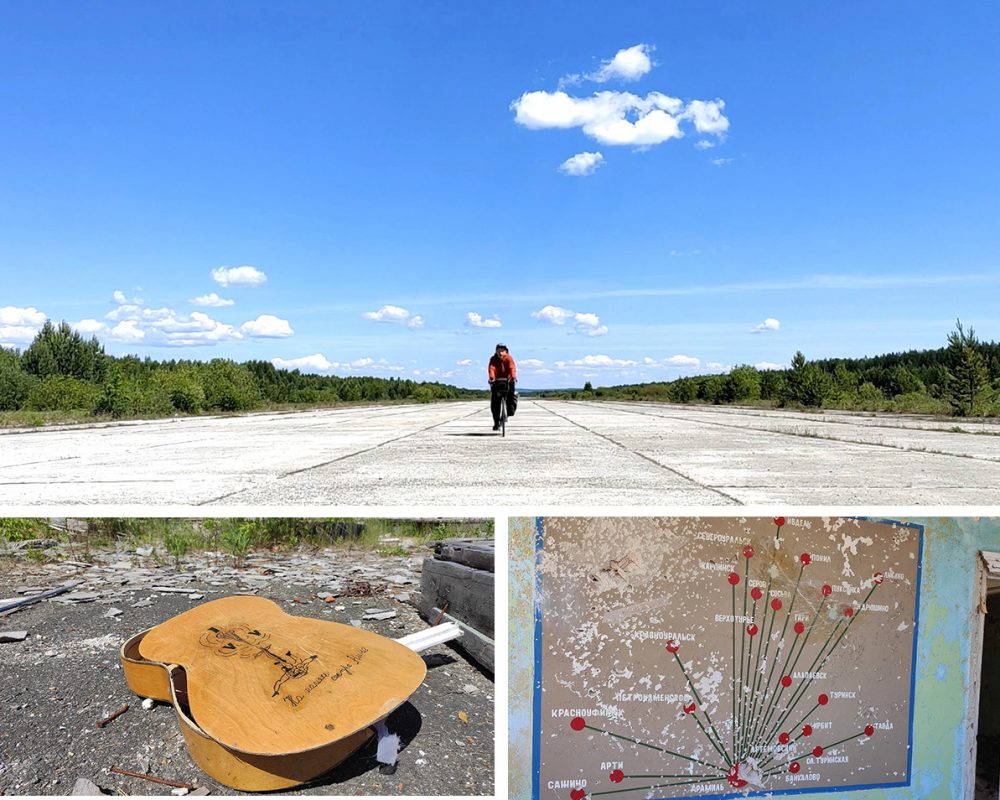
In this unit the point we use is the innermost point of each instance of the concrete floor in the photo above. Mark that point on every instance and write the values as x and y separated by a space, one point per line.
555 453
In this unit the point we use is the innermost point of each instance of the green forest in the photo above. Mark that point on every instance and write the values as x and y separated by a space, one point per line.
960 379
62 375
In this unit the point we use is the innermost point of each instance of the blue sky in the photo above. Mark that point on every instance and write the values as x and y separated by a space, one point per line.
621 193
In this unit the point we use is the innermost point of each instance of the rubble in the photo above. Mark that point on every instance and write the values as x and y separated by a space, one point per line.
13 636
85 787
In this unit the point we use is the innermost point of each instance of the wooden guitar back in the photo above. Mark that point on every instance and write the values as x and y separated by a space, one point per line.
264 682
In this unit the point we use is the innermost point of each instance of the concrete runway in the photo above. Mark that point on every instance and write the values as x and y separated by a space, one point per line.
555 453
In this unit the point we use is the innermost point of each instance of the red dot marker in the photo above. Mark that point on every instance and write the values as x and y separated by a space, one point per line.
827 590
804 558
794 768
617 776
786 681
869 730
848 612
752 630
807 730
817 751
578 723
784 738
690 709
756 593
748 552
878 577
577 794
779 521
800 628
823 699
672 646
776 604
734 578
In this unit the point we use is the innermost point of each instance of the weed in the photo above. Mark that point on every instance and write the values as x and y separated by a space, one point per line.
237 538
177 544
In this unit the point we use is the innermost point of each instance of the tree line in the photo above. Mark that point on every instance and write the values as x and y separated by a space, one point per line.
61 370
962 379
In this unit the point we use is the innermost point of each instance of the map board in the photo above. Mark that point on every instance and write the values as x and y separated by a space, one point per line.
723 657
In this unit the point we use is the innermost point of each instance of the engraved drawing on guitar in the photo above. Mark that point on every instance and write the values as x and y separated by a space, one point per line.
247 642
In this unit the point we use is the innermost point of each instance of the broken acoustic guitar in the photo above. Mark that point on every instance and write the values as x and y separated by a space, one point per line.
267 700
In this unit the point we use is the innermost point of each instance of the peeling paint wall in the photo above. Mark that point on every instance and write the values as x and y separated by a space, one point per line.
948 614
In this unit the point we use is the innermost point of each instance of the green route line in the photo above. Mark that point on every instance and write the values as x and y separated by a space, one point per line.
813 667
722 770
755 705
743 646
681 775
784 629
804 686
791 669
746 717
773 756
777 768
645 788
732 716
720 748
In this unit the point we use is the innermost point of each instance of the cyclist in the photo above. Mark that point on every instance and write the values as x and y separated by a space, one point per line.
502 367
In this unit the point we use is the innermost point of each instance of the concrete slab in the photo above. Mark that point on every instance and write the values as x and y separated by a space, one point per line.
555 453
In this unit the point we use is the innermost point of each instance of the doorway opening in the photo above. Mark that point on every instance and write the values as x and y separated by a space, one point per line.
988 727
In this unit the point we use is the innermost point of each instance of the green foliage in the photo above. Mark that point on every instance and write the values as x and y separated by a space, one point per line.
423 395
229 387
60 392
177 543
806 384
969 378
237 537
742 385
19 529
15 383
870 397
59 350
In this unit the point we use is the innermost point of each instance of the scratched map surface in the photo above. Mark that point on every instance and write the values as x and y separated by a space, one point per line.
720 657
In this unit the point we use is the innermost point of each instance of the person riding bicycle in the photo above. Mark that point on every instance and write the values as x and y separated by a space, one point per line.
502 367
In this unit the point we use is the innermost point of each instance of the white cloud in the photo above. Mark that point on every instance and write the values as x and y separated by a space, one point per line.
475 320
30 316
707 116
721 162
19 325
715 366
316 362
211 300
769 324
581 164
584 323
238 276
673 361
465 362
118 297
265 326
629 64
128 331
553 314
768 365
619 118
89 326
531 362
14 334
397 315
544 371
704 144
597 361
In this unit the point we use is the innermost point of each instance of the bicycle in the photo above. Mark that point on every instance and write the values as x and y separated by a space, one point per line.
501 386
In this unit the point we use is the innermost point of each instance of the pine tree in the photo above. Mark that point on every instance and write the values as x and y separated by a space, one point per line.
968 378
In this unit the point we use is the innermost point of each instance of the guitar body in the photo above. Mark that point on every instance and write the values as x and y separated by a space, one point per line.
266 700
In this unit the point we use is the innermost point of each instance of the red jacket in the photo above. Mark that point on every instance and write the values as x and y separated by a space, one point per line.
502 367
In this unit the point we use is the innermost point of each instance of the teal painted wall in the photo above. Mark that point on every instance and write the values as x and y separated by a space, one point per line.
948 612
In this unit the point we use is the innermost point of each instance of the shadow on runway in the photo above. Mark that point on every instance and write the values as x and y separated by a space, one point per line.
484 433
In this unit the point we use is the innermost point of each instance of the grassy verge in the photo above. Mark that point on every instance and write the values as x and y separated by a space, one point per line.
173 539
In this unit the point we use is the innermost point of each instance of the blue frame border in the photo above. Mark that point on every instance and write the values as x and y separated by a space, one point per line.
536 707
